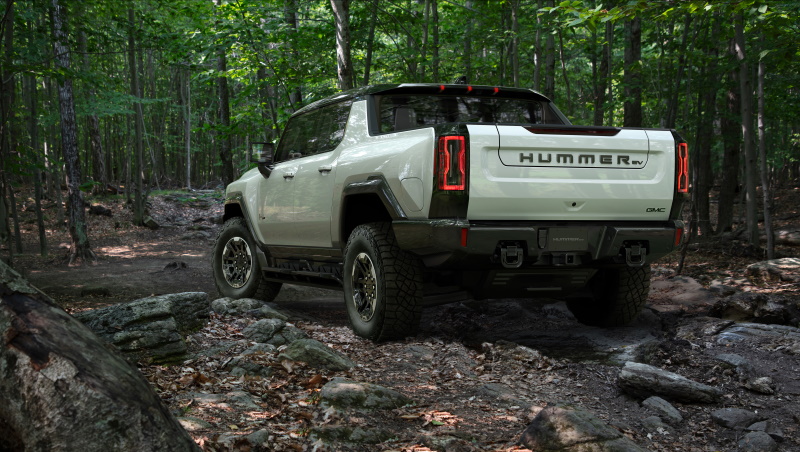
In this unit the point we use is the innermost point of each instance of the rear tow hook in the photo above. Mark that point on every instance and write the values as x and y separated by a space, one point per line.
634 256
511 256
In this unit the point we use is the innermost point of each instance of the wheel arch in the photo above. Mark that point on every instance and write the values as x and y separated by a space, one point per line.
368 201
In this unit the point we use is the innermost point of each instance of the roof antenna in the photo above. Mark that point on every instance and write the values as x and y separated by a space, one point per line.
461 80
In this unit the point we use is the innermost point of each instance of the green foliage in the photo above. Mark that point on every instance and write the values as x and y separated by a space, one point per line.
272 60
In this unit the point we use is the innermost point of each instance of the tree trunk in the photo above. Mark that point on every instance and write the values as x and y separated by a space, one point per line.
29 88
550 61
138 121
344 62
186 96
762 151
290 15
672 102
370 41
706 112
80 249
751 159
537 49
435 47
731 140
515 42
98 158
608 66
633 73
468 45
63 389
224 135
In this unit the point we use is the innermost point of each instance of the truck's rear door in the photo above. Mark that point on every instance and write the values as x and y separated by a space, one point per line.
564 173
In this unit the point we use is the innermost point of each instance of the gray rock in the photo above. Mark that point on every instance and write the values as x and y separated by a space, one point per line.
742 365
788 236
240 366
568 429
719 288
268 312
654 424
642 380
260 349
150 328
503 395
334 435
229 306
786 269
287 335
762 385
258 437
263 330
346 394
242 399
149 222
193 424
769 428
735 418
316 354
746 331
758 442
663 409
758 307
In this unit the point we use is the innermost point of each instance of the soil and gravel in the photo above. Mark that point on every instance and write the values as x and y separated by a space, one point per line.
477 373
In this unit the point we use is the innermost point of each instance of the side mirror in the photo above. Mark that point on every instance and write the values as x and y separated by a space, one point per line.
262 153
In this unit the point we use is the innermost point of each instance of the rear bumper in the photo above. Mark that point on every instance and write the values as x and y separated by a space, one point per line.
476 245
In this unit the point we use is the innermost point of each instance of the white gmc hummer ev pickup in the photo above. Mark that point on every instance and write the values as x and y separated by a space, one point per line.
414 194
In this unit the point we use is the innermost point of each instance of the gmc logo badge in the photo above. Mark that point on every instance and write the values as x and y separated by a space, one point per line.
656 209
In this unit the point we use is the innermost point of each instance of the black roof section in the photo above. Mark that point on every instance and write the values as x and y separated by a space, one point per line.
425 88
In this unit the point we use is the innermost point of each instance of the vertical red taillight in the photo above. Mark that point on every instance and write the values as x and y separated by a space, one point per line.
451 163
683 168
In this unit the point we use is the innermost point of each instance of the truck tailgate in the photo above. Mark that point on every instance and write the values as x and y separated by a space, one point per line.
570 173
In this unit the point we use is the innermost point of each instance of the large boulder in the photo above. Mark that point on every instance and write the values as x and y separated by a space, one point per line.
567 429
150 328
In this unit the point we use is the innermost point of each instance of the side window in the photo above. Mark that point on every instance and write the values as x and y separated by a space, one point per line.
333 122
315 132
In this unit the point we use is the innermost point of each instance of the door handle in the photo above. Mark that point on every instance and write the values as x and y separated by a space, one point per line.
325 169
288 175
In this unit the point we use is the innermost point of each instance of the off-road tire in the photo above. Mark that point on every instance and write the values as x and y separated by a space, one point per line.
618 296
395 290
235 247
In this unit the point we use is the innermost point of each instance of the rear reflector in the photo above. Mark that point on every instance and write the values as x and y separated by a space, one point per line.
464 232
678 236
682 176
451 163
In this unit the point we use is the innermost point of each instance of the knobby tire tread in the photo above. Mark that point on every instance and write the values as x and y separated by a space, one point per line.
401 273
264 290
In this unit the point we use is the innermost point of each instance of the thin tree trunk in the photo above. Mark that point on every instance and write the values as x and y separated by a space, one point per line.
672 102
426 8
633 73
186 100
224 135
98 158
29 87
564 71
344 62
550 61
290 15
468 45
370 41
515 42
608 66
751 159
138 121
80 249
762 151
435 47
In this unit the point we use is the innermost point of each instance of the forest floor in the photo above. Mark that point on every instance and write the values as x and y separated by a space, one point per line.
469 392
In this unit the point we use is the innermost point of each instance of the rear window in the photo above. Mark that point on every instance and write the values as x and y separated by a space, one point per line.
404 112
